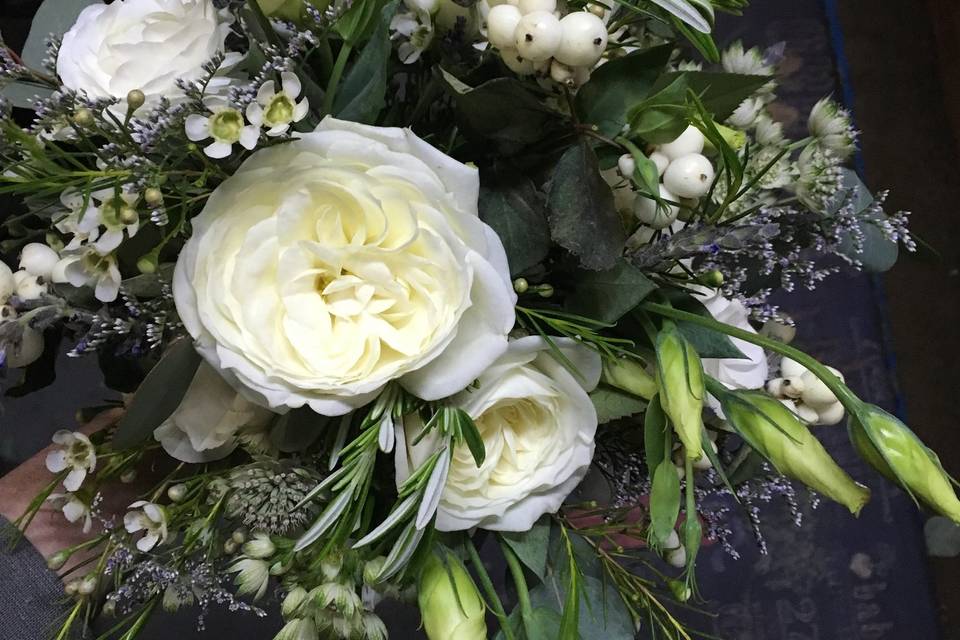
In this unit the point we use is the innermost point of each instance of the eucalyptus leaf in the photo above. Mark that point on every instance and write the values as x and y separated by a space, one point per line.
159 394
878 253
53 17
664 500
608 295
149 285
517 213
619 85
612 404
531 546
582 216
544 624
362 94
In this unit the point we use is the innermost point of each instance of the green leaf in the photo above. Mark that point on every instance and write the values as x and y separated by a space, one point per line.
619 85
544 624
517 213
159 394
703 42
149 285
531 546
298 429
612 404
356 23
709 343
609 295
502 109
602 613
582 217
720 93
664 115
24 95
942 536
570 615
664 500
362 94
52 17
655 434
688 13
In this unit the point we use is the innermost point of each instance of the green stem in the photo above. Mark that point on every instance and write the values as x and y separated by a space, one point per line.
523 593
843 393
65 629
495 604
335 75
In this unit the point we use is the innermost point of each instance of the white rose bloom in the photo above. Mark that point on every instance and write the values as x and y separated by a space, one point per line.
211 413
352 256
537 423
146 45
735 373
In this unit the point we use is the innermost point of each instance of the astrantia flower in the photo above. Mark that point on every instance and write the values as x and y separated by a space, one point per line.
253 577
745 115
749 62
831 126
768 131
151 519
74 509
277 110
821 177
226 126
75 453
414 30
537 423
351 256
298 629
145 45
87 267
341 597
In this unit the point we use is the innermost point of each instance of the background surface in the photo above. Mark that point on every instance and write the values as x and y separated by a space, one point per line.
833 577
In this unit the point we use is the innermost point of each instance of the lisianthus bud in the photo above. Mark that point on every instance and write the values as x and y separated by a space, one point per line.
629 375
449 602
896 452
778 435
680 381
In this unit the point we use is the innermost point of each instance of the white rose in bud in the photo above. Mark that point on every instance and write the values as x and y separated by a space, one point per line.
203 427
38 260
326 267
537 423
146 45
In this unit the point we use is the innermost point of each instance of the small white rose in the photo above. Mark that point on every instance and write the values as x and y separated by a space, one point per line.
537 423
278 110
204 426
352 256
146 45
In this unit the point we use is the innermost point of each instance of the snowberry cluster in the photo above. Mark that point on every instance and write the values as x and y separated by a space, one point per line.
532 38
685 174
805 394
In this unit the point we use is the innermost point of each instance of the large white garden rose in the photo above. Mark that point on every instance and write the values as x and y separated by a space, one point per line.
538 426
147 45
204 426
330 265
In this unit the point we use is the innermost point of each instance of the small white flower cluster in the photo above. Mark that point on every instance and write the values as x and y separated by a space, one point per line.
272 109
38 262
77 454
806 395
685 173
533 39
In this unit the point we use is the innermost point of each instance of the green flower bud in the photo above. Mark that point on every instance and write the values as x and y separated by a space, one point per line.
776 433
57 560
680 381
177 492
83 118
449 602
736 139
520 285
629 375
896 452
147 263
135 99
153 196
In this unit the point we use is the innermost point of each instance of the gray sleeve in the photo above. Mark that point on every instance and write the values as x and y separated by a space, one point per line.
31 596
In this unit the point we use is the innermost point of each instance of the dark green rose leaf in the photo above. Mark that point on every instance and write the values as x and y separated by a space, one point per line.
517 212
612 404
608 295
720 93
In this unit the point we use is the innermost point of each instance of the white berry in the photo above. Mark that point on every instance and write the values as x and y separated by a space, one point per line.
38 259
538 35
792 387
657 217
561 73
690 141
584 39
677 557
815 392
790 367
529 6
502 25
29 287
775 387
807 414
689 176
627 165
514 61
831 414
661 161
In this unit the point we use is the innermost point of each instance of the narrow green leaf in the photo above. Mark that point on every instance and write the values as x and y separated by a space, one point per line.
362 94
471 435
655 434
664 500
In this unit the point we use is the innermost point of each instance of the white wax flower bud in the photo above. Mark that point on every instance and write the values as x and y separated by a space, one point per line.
561 74
538 36
689 176
658 217
583 39
807 414
502 25
793 387
38 259
791 368
677 557
690 141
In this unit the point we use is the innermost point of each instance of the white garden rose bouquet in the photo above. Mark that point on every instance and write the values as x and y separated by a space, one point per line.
384 280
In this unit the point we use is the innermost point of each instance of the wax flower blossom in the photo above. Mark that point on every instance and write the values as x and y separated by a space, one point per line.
74 509
276 110
225 125
150 518
75 453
